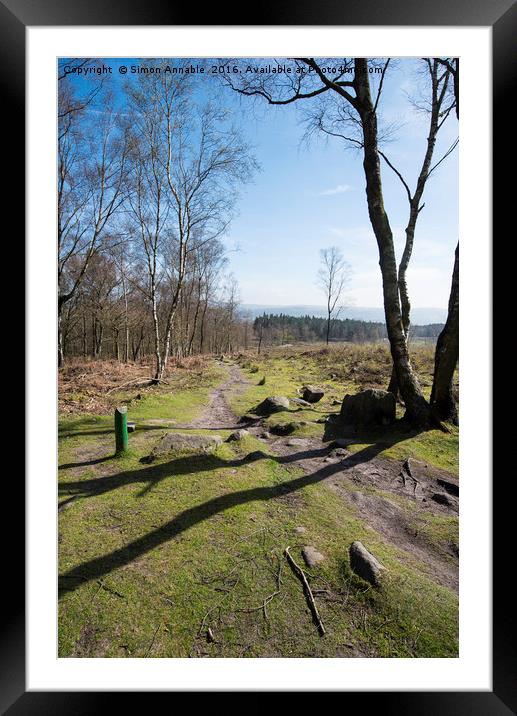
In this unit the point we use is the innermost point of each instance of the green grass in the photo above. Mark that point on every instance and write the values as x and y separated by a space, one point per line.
151 556
286 374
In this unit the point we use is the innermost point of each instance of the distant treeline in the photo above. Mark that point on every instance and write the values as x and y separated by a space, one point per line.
273 328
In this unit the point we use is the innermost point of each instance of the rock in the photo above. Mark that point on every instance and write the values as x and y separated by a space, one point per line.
300 530
442 498
283 428
255 455
312 394
273 404
266 435
296 442
311 556
336 402
338 452
364 563
299 401
262 381
179 442
368 408
340 443
449 487
131 427
237 435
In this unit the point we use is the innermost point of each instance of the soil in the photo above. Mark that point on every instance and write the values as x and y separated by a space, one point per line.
358 478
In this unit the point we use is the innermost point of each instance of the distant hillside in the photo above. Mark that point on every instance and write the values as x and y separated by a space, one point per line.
419 316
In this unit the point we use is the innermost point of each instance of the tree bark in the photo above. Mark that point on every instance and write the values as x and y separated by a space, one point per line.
443 401
417 408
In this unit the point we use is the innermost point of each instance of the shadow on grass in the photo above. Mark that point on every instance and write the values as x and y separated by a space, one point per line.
100 566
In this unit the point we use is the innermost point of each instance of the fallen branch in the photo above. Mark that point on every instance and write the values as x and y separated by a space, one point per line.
136 380
307 590
267 599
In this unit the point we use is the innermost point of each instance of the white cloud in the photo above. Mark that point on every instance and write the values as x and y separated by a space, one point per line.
339 189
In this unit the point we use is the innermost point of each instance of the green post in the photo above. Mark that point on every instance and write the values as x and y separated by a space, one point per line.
121 429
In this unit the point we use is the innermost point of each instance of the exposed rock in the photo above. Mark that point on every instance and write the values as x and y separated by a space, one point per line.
312 394
449 487
237 435
266 435
340 443
179 442
262 381
131 427
442 498
300 530
296 442
299 401
368 408
255 455
283 428
364 563
273 404
311 556
338 452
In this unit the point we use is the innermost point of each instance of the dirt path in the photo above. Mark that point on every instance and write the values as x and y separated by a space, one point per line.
218 415
373 486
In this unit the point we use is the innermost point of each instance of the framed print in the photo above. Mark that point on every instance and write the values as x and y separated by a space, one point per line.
244 350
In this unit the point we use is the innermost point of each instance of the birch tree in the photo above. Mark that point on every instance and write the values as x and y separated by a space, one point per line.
188 164
349 80
92 166
443 400
332 278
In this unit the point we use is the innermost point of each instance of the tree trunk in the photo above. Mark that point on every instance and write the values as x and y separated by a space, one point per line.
60 351
417 408
443 401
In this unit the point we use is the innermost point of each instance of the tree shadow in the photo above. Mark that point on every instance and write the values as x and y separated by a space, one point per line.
86 463
100 566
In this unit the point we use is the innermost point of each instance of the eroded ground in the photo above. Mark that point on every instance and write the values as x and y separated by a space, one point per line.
185 556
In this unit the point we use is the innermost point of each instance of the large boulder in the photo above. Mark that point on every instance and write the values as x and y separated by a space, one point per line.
369 408
364 564
273 404
182 443
312 394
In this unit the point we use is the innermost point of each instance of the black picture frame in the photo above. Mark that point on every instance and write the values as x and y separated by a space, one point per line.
15 16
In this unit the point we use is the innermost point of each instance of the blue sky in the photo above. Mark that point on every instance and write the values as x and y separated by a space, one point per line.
305 199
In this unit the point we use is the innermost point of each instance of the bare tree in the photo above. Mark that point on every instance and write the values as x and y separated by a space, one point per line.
350 82
438 106
332 278
189 163
443 400
92 167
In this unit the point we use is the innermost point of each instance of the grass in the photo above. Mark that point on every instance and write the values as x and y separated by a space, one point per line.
151 556
340 371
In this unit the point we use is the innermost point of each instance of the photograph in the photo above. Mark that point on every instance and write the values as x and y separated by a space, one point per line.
258 357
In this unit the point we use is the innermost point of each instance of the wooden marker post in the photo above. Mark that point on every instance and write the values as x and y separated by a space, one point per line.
121 429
